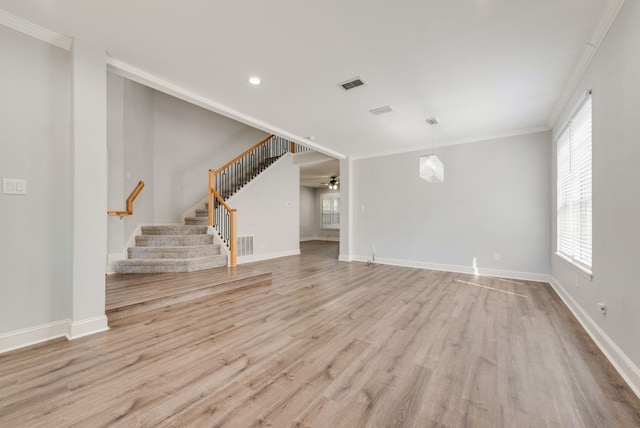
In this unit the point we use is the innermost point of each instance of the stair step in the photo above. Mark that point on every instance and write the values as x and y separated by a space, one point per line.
153 292
196 220
202 213
174 229
169 265
173 240
166 252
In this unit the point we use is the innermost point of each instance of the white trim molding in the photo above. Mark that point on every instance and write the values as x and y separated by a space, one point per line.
629 371
606 20
33 335
44 332
268 256
35 30
87 326
474 139
499 273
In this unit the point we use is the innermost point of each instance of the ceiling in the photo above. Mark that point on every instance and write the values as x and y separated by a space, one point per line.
485 68
318 174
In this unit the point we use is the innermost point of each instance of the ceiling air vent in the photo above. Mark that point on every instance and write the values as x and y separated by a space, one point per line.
433 120
381 110
351 83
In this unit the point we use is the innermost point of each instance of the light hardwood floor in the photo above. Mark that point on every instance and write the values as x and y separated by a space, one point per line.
329 344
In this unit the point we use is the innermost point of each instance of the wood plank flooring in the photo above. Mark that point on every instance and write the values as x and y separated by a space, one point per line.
329 344
130 294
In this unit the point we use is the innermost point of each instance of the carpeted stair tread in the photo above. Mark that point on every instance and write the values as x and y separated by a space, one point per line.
173 240
171 265
174 229
172 252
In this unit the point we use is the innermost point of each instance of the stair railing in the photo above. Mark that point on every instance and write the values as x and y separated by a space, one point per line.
235 174
223 219
132 197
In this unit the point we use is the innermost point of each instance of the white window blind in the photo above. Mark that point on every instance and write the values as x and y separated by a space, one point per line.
330 210
574 187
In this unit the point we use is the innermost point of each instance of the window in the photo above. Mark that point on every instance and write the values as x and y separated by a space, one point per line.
330 211
574 187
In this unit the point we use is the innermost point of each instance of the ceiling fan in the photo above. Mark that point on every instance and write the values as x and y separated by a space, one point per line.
333 184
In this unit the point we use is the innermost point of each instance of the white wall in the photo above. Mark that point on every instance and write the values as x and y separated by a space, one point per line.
35 230
495 199
269 210
614 77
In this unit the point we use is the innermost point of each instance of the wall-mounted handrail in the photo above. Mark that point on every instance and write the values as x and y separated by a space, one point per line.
132 197
222 219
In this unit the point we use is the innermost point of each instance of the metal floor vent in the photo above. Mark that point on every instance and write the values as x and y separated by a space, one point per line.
351 83
244 246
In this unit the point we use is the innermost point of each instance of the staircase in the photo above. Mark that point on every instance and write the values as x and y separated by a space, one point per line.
189 247
173 248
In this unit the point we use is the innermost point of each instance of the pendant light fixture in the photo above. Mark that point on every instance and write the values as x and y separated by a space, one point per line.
431 168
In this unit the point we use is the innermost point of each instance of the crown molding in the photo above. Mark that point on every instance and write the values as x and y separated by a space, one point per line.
34 30
607 19
479 139
130 72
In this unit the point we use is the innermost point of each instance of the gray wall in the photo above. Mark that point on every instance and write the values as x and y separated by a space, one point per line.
307 212
614 77
35 229
495 199
170 145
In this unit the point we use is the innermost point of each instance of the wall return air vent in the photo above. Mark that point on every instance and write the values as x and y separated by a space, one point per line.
351 83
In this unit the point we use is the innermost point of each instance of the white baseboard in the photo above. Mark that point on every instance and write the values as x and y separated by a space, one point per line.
629 371
42 333
87 326
259 257
500 273
32 335
345 258
320 238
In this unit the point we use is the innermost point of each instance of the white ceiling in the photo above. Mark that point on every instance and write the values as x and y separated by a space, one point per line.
484 67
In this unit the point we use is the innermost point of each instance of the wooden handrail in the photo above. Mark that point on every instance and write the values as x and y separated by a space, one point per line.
132 197
234 160
232 217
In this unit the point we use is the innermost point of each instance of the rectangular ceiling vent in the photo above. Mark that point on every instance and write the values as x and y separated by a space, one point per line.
351 83
381 110
433 120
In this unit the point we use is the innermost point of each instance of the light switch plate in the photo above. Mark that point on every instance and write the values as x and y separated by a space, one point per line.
14 186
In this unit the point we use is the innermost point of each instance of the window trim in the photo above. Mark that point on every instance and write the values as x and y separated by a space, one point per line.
334 195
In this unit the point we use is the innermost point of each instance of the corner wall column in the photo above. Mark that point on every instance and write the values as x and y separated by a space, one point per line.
346 209
89 188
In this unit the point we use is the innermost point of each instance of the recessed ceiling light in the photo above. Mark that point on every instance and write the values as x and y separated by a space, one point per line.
255 81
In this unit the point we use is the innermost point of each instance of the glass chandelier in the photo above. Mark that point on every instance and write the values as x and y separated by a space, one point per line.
431 168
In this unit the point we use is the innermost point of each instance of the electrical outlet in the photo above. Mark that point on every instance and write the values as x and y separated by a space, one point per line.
14 186
496 257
